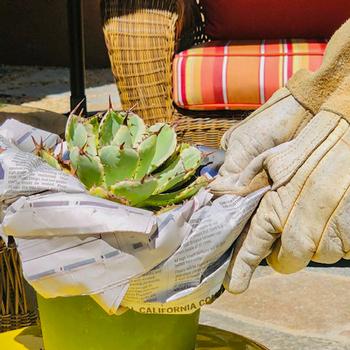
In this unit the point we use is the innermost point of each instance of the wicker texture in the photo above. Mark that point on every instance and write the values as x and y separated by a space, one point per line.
14 311
205 128
142 37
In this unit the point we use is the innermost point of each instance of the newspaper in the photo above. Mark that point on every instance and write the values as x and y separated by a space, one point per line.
193 275
22 135
23 173
72 243
60 214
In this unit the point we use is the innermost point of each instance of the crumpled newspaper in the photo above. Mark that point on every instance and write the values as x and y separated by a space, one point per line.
72 243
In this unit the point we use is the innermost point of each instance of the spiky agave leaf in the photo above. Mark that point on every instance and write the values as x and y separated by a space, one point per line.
180 170
76 134
134 191
119 163
101 192
174 156
50 159
109 126
191 157
171 198
146 150
136 127
47 154
88 168
94 121
122 137
94 126
166 144
91 144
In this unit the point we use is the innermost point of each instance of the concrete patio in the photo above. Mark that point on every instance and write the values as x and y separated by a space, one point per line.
307 310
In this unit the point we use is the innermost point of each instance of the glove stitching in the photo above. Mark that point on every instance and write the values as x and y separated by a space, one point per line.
235 163
282 156
273 160
255 145
239 274
339 114
312 147
295 145
327 224
342 247
275 232
293 205
286 172
299 128
263 108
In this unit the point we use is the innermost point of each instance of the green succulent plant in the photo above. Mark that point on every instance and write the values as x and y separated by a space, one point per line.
117 157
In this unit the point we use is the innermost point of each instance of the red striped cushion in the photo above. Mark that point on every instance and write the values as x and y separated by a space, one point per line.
239 74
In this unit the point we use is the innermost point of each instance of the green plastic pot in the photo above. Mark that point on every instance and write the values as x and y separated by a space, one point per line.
76 323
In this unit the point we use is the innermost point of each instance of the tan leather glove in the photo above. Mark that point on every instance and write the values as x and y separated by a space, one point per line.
307 214
281 119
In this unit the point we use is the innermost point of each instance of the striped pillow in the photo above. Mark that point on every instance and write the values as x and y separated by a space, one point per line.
239 74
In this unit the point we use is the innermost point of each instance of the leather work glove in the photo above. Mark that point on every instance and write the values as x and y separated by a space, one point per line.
280 119
306 216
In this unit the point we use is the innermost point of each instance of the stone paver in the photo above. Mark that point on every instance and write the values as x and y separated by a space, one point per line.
272 338
309 310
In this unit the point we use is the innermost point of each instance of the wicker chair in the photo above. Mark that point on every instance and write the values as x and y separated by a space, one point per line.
142 37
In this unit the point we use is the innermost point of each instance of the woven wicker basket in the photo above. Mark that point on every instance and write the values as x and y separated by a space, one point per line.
14 310
141 37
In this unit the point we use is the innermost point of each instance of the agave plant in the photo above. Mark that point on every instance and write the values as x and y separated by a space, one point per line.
117 157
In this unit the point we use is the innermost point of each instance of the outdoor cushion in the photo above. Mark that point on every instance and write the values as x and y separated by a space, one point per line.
239 74
274 19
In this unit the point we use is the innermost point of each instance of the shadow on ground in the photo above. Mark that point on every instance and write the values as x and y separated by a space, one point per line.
48 87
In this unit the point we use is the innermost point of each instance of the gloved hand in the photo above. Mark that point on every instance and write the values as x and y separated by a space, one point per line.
306 215
280 119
